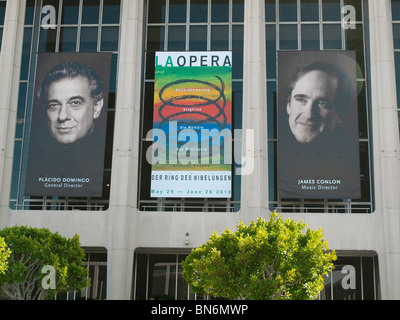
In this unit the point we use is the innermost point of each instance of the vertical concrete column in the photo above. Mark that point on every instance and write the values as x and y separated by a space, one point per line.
385 144
126 152
254 200
10 66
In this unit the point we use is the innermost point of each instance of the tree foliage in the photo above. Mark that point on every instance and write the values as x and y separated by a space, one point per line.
31 250
271 259
4 255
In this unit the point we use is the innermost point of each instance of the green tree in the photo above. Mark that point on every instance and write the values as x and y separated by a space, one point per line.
31 250
271 259
4 255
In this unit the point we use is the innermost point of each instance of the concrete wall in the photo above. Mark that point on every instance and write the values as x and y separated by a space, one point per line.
122 228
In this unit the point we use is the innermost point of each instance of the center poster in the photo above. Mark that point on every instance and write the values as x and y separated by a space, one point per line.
192 150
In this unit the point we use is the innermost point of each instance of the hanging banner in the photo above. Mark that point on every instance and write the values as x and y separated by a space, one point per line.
192 150
318 150
69 117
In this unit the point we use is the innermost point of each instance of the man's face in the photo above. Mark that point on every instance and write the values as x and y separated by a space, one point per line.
311 109
71 110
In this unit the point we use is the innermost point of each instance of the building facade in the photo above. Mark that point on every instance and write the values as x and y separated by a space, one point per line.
135 241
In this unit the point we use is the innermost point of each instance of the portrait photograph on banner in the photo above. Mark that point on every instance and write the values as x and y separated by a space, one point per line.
68 129
192 123
318 148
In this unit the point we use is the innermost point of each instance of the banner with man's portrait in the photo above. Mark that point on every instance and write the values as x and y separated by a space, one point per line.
68 129
318 149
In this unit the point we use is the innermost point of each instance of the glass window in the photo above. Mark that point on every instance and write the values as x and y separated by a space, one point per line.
332 35
208 25
396 35
331 10
288 37
177 11
198 38
270 11
199 11
396 10
88 40
219 38
68 39
353 278
79 29
111 11
310 37
309 10
220 10
287 10
156 11
2 16
90 11
159 276
396 45
70 12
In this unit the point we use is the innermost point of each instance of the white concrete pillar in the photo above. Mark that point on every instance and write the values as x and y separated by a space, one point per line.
254 202
10 66
386 163
124 180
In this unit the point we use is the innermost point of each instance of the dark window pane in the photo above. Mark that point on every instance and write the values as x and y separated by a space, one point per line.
109 38
364 172
21 100
237 65
29 11
26 52
155 38
2 12
368 278
354 41
288 37
332 36
156 11
16 165
70 12
288 10
271 51
397 64
270 14
395 10
219 38
88 41
237 104
362 111
68 39
238 11
331 10
177 11
357 5
271 104
113 75
47 42
176 38
199 11
310 37
220 10
309 10
237 38
111 11
90 11
272 161
396 35
198 38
